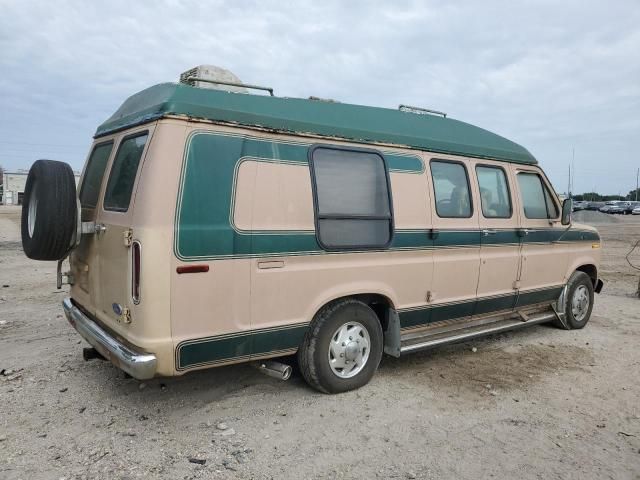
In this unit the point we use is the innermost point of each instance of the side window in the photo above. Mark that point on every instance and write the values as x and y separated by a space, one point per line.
352 198
536 198
93 175
123 173
451 186
552 210
494 192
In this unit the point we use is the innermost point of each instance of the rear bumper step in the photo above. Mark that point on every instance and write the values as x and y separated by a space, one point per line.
139 365
416 342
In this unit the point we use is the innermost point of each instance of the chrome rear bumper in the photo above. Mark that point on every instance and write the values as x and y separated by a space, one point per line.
137 364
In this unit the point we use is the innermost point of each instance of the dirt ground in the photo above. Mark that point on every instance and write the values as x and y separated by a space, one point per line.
539 403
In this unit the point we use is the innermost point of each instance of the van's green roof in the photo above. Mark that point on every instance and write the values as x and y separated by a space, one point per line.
352 122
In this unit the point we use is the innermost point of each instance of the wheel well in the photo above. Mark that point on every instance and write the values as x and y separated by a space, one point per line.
590 270
378 303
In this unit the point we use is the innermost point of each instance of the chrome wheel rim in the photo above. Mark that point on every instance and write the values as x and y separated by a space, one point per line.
580 303
33 209
349 350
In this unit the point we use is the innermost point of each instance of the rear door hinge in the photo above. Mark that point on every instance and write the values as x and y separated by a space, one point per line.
128 237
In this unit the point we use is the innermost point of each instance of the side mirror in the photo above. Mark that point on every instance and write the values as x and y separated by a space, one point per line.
567 207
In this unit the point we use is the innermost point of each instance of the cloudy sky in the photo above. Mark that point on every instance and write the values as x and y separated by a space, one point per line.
552 76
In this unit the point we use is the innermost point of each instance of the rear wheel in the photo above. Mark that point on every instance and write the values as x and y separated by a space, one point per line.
578 302
342 348
49 210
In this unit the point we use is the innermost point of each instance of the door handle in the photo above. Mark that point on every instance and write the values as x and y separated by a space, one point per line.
488 231
523 232
268 264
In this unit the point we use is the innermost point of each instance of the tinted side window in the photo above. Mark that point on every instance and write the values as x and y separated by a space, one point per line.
123 173
494 192
451 185
536 198
93 175
352 199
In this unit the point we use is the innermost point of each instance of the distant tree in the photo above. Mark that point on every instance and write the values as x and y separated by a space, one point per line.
633 195
589 197
596 197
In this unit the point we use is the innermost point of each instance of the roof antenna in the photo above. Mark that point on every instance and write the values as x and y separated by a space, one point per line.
420 110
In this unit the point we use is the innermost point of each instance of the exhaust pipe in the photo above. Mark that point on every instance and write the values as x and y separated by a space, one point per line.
274 369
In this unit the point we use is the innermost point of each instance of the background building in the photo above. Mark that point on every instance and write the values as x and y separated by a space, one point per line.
13 184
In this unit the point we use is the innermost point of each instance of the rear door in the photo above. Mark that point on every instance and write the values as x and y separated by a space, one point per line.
83 259
112 294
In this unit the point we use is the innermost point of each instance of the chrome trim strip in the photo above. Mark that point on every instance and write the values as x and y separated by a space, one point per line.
137 364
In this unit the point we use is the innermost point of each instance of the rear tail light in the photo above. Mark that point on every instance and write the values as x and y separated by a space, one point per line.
135 271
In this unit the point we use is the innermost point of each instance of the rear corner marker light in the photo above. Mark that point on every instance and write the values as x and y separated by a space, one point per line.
192 269
135 271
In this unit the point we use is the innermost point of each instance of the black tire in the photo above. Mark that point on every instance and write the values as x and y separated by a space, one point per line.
313 353
578 282
50 204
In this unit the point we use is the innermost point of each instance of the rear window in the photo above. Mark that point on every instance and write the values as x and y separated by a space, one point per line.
123 173
90 189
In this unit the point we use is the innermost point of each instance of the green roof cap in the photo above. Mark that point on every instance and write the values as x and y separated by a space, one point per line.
352 122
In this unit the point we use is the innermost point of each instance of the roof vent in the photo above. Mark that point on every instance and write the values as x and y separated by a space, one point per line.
204 76
217 78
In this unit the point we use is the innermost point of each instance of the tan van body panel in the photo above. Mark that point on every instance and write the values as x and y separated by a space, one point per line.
280 293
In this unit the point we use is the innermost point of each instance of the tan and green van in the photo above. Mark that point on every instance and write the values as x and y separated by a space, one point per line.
213 227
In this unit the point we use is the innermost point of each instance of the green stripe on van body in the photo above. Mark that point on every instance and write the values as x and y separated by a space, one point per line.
286 339
203 226
204 230
421 316
239 346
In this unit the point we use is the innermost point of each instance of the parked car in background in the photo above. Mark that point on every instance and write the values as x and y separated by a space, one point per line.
636 211
613 206
630 206
594 205
579 205
616 209
606 207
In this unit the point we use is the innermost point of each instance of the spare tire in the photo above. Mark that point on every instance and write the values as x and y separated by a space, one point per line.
49 210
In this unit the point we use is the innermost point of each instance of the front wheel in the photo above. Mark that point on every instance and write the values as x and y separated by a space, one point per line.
342 348
578 302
